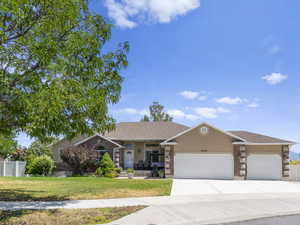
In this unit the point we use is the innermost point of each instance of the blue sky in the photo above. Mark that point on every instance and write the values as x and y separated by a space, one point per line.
234 64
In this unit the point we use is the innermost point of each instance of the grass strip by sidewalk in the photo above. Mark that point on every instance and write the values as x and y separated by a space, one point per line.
65 216
78 188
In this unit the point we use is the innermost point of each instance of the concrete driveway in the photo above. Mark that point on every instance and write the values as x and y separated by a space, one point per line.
214 209
205 187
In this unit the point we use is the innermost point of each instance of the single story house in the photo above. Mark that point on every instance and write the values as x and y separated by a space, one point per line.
203 151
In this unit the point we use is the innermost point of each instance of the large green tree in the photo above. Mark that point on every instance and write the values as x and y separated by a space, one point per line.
8 145
55 78
157 113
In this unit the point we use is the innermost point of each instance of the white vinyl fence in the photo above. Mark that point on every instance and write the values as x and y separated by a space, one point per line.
12 168
295 172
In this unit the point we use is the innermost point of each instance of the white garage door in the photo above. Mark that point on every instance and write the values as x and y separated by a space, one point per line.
204 166
264 167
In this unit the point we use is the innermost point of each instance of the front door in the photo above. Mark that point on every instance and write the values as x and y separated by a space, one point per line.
128 159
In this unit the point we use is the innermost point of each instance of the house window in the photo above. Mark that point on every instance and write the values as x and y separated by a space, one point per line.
152 156
203 130
155 156
101 151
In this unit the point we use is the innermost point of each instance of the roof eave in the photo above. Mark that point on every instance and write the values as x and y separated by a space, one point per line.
265 143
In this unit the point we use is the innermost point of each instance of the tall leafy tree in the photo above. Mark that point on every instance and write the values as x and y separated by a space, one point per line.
157 113
55 78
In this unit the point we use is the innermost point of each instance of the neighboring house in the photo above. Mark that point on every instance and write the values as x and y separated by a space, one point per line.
203 151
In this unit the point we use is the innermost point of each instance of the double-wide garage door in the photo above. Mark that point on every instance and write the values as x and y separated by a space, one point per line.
203 166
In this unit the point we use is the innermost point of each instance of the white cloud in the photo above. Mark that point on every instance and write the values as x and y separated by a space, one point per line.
222 110
119 14
192 117
230 101
202 98
210 113
133 111
275 78
191 95
128 13
178 114
253 105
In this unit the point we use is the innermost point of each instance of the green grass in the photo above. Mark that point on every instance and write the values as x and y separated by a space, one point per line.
65 216
75 188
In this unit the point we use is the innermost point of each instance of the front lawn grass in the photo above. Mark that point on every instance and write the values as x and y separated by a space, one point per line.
78 188
65 216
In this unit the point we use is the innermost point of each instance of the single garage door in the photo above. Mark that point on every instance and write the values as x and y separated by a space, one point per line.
264 167
203 166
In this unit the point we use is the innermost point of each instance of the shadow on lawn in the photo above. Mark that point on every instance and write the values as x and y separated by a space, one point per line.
25 195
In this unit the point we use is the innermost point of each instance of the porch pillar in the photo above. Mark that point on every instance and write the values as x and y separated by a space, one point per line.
285 162
116 158
168 171
243 161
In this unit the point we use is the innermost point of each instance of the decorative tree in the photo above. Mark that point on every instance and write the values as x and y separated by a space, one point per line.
55 77
157 113
107 166
79 159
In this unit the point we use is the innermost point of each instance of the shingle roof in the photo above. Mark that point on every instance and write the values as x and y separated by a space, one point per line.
145 130
258 138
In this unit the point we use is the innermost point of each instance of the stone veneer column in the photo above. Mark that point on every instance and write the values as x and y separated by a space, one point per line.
167 161
243 162
285 162
117 157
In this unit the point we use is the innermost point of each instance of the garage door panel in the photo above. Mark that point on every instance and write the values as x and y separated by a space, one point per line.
264 167
204 166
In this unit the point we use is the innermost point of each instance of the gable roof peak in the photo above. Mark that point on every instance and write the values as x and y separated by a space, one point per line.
209 125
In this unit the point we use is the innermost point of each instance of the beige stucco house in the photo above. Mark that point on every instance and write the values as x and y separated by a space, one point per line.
203 151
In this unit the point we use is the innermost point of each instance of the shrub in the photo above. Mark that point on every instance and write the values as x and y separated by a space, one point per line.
99 172
36 149
294 162
80 159
42 165
118 170
130 170
107 166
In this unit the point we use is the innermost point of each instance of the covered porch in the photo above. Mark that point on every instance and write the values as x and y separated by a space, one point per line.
147 159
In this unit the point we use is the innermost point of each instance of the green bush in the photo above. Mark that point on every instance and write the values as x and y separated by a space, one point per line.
118 170
294 162
99 172
42 165
130 170
107 166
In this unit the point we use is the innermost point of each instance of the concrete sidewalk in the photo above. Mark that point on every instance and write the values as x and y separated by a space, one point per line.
147 201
